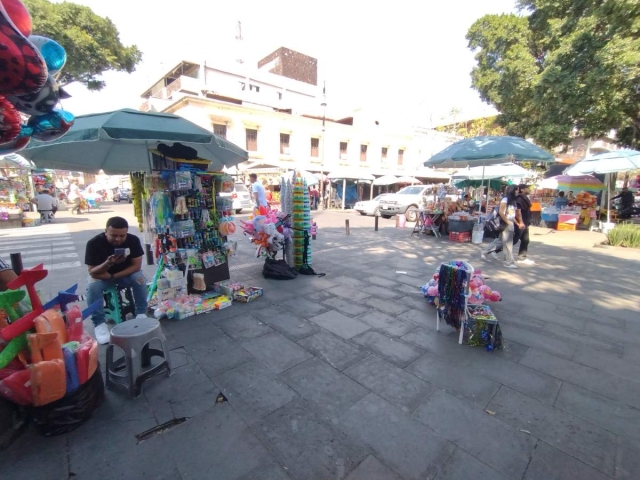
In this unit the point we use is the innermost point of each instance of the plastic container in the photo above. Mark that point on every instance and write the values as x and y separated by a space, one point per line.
477 235
461 226
402 220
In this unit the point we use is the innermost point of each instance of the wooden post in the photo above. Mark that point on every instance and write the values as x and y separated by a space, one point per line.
376 223
346 227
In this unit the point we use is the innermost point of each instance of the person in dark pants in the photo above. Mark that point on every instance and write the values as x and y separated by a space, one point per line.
524 203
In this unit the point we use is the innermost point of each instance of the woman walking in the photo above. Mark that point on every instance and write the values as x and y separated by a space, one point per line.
508 212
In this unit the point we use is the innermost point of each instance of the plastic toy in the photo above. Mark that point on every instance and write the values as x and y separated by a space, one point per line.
71 369
44 346
48 381
19 15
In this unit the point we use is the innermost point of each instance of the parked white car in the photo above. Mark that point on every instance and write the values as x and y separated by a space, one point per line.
370 207
241 198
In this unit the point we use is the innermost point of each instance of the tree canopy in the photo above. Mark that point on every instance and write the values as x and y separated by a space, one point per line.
474 128
92 42
566 67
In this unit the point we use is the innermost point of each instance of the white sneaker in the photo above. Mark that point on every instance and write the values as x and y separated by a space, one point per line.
526 261
102 334
494 255
511 265
483 256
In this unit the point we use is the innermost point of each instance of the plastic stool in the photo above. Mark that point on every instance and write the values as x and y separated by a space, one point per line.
46 216
134 337
115 308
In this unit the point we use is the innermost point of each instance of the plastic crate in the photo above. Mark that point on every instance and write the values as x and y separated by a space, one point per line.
564 227
460 237
461 226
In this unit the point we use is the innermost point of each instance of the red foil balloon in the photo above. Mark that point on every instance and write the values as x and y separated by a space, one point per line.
22 68
14 146
19 15
9 121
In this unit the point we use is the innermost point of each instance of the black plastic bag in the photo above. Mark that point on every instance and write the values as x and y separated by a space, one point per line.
71 411
278 270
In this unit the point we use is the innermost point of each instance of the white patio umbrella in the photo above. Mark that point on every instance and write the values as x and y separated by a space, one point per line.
606 163
386 180
409 180
506 170
309 177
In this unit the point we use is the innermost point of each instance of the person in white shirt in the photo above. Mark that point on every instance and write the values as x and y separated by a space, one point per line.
74 196
46 204
259 195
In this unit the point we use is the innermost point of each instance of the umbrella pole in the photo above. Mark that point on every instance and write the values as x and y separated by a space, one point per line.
486 207
608 197
344 191
371 192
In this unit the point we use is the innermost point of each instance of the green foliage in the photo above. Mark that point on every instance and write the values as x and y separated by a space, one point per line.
569 67
625 235
92 42
474 128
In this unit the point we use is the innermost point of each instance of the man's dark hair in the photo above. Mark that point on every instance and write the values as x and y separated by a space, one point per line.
253 176
118 223
561 194
45 191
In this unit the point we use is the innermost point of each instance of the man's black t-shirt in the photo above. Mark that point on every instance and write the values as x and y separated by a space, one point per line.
99 249
525 209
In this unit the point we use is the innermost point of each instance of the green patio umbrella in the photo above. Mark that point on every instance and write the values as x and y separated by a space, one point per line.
119 142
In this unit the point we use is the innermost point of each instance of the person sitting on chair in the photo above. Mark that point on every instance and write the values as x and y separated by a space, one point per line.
46 204
114 258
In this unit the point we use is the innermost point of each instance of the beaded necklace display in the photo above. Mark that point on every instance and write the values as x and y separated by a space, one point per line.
451 287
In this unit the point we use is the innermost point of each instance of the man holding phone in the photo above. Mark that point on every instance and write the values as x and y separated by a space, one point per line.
114 258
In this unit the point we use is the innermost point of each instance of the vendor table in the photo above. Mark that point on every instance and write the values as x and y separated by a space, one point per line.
426 220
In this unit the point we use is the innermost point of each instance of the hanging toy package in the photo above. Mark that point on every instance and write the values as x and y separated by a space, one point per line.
226 184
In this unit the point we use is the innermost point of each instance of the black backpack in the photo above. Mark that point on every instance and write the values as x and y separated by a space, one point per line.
278 270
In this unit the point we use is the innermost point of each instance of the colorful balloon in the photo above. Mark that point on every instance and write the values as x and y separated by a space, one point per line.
14 146
9 121
22 68
53 53
41 102
49 126
19 15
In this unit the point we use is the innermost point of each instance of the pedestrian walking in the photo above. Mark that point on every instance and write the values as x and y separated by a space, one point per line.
509 215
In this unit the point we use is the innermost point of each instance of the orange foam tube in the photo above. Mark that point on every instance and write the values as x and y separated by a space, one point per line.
52 321
48 381
45 346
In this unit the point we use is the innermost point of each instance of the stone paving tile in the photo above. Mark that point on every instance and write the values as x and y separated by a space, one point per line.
497 444
460 381
244 327
345 306
349 281
612 416
254 391
186 393
390 382
557 346
217 355
550 314
628 459
350 293
339 324
323 385
422 318
551 464
382 282
291 326
391 349
372 469
194 335
217 444
461 465
597 381
276 352
320 296
416 301
403 444
574 436
25 458
391 307
386 323
269 470
609 363
382 292
333 349
308 446
304 308
613 335
596 342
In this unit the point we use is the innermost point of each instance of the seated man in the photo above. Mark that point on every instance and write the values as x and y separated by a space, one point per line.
46 204
106 268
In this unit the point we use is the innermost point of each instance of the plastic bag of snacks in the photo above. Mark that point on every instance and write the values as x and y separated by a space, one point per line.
226 184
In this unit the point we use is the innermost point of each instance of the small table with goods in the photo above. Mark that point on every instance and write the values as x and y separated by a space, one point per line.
426 221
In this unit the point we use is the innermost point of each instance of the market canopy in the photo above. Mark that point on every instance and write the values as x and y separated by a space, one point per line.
119 142
431 173
489 150
608 162
506 170
14 160
492 183
350 174
386 180
409 180
575 184
309 177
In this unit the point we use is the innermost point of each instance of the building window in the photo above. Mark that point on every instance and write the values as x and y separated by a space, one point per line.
279 95
220 130
343 150
315 147
363 153
384 154
284 143
252 140
243 86
254 88
400 156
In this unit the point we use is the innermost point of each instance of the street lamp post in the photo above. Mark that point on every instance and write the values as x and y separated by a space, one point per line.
324 115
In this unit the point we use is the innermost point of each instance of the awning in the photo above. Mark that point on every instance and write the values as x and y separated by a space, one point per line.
386 180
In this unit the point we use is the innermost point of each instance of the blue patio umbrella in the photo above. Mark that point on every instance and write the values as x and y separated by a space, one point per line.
119 142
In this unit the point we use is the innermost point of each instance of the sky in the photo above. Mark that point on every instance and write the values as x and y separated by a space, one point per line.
399 58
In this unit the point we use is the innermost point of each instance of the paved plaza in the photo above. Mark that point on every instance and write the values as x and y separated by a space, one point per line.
345 377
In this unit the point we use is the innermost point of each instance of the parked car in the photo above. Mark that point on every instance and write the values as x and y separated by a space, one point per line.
122 195
370 207
241 198
401 201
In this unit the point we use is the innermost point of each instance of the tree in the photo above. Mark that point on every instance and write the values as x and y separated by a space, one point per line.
571 67
474 128
92 42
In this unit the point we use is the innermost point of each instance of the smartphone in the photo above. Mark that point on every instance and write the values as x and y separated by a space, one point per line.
120 252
